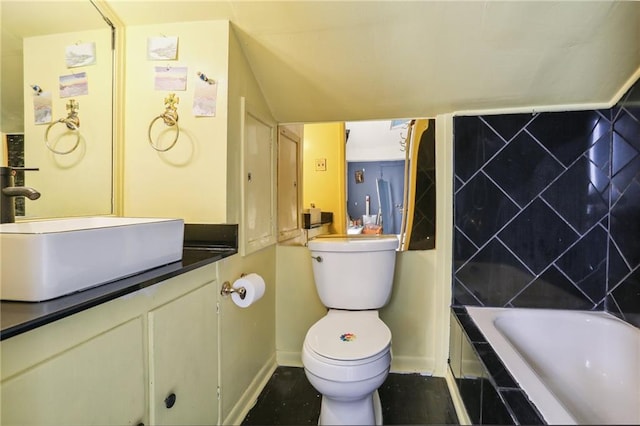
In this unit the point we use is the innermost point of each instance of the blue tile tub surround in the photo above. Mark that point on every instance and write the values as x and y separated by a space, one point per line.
521 215
623 292
547 209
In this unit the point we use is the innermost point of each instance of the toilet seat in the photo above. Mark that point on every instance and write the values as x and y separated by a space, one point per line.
348 337
347 346
330 362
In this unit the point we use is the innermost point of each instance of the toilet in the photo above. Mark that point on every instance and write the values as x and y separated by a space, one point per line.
347 354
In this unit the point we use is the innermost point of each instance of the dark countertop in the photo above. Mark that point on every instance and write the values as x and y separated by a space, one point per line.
325 218
20 317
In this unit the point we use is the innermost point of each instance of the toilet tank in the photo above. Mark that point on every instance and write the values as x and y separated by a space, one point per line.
354 272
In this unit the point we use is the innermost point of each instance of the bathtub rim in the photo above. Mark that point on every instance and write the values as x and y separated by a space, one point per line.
552 410
513 399
483 318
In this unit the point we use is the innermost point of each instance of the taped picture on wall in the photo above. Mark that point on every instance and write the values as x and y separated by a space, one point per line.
171 78
162 48
74 85
80 55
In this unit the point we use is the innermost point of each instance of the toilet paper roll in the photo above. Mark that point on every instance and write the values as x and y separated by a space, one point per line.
254 287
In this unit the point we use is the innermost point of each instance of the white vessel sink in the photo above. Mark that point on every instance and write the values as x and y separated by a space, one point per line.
46 259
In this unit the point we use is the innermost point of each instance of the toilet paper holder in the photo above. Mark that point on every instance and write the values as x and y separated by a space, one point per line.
227 289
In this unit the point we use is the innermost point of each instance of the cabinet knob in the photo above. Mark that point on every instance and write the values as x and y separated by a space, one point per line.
170 400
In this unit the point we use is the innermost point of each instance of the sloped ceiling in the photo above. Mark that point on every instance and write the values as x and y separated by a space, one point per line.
354 60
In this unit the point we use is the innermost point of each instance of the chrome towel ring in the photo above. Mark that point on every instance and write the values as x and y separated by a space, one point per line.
72 121
170 118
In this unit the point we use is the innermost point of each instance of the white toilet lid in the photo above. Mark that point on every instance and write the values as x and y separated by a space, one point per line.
349 336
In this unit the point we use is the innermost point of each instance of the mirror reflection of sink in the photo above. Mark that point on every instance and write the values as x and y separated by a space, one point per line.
354 230
42 260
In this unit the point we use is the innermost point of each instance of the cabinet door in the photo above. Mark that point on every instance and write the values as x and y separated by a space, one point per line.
258 225
98 382
288 190
183 360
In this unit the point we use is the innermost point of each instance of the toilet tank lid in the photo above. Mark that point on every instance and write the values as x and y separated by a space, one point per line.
354 243
349 336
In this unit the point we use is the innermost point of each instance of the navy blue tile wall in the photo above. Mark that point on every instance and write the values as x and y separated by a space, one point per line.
423 232
623 293
547 209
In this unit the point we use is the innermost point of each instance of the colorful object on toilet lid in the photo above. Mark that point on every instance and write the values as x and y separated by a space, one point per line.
349 335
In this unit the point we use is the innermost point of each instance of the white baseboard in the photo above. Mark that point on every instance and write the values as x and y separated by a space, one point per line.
289 359
250 395
412 364
461 411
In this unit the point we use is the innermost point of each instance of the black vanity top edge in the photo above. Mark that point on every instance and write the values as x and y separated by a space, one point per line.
20 317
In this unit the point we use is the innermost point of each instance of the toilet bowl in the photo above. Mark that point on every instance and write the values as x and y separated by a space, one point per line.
346 357
347 354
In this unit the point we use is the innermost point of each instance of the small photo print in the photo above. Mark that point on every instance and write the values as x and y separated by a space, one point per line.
42 108
74 85
80 55
204 100
162 48
171 78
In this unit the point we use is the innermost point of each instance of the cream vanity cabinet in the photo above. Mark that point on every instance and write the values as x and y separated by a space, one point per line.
149 357
96 381
183 371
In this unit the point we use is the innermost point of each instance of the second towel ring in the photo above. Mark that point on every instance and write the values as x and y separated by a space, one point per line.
170 118
72 121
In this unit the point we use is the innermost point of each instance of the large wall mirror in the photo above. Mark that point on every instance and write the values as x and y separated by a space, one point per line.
57 86
388 182
391 178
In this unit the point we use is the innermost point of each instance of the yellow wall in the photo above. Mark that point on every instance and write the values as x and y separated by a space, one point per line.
78 183
10 65
298 306
444 242
243 87
326 189
247 336
4 161
190 180
412 313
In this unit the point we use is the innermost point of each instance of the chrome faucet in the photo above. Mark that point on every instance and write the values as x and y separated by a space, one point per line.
8 191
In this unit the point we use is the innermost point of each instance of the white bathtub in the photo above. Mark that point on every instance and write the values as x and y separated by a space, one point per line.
577 367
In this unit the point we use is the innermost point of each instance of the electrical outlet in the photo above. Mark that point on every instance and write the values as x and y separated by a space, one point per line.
321 164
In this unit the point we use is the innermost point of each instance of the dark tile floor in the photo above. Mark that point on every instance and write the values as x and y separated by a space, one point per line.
408 399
